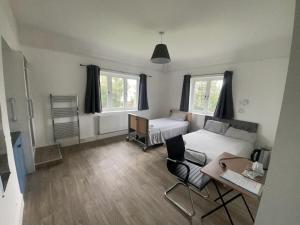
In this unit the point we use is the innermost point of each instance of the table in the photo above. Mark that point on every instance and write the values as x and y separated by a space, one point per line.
214 171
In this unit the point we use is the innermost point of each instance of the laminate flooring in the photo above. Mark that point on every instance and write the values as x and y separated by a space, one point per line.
113 182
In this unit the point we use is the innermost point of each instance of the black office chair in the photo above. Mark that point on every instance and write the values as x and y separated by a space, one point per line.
187 172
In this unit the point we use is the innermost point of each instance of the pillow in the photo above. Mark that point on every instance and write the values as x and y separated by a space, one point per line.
216 126
241 134
178 115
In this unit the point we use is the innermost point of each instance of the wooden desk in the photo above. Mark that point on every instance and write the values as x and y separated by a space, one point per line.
214 171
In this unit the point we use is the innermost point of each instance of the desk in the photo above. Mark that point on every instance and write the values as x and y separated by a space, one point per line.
214 171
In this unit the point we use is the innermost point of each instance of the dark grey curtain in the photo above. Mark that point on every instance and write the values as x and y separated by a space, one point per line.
143 99
185 95
224 109
92 93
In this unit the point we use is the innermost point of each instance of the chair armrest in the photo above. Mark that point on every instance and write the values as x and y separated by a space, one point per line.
185 165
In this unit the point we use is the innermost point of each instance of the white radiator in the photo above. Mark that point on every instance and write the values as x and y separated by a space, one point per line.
112 122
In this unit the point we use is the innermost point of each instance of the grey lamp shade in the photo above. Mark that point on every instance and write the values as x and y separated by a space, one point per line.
160 54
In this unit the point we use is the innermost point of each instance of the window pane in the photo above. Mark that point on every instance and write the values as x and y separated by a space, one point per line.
199 95
131 93
117 92
215 88
104 90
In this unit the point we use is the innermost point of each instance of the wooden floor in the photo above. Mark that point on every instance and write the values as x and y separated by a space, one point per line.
115 183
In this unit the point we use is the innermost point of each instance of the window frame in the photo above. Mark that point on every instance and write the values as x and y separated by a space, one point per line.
125 77
207 79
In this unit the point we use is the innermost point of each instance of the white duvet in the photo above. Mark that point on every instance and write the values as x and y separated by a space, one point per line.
165 128
213 144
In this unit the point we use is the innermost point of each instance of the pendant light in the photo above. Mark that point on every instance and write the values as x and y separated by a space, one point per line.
161 53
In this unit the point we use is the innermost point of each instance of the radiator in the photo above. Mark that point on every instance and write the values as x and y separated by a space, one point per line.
112 122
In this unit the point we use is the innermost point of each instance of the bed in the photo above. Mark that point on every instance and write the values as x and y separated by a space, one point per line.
153 132
213 144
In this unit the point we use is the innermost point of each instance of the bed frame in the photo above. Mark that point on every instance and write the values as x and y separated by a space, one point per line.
138 129
238 124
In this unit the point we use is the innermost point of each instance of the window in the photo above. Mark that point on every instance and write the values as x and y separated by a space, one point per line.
118 92
205 94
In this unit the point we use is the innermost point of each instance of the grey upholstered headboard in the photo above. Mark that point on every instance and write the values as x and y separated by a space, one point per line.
238 124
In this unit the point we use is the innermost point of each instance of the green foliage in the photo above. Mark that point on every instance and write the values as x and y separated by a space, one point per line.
115 99
215 88
199 95
117 92
131 93
104 91
202 88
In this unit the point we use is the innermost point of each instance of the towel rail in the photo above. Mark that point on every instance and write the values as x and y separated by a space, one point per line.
65 108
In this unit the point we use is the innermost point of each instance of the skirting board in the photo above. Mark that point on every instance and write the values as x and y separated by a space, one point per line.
21 212
90 139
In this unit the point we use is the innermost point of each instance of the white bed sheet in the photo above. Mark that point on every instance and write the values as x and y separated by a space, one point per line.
213 144
165 128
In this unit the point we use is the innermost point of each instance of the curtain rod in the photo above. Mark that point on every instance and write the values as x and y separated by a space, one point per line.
207 74
117 71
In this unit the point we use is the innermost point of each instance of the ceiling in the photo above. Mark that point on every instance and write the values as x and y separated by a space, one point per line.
196 30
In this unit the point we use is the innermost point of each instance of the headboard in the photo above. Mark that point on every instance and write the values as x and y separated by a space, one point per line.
238 124
188 115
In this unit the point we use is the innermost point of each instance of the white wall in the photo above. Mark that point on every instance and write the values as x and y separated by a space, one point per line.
57 72
280 203
262 82
11 206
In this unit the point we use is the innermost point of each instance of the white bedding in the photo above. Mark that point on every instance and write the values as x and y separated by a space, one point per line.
165 128
213 144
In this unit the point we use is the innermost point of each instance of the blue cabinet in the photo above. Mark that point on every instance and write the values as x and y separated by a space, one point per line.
19 159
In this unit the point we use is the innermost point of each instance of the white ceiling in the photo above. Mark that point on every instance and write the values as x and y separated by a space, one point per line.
196 30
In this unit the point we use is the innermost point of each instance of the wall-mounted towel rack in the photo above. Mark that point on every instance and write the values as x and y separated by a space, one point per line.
65 117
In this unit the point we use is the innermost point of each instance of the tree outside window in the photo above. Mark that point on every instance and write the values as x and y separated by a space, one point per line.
118 92
204 94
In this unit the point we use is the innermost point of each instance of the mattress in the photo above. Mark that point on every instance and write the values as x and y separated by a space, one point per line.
213 144
165 128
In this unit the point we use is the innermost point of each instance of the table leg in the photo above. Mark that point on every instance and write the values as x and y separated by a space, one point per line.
222 205
224 194
248 208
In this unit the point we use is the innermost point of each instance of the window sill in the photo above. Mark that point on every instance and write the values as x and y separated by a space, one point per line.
202 113
118 111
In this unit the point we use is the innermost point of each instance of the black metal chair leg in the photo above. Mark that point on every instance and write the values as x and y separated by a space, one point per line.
248 208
